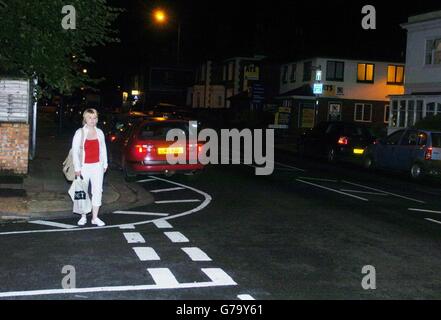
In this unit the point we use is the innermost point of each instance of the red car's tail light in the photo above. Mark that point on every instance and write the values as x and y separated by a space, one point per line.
140 149
428 154
112 138
343 141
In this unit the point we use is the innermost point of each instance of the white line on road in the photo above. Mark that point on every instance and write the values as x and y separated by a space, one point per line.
127 227
53 224
219 276
166 190
196 254
392 194
163 277
146 180
365 192
134 237
333 190
139 213
116 289
162 224
176 237
288 166
203 205
245 297
422 210
318 179
436 221
146 254
178 201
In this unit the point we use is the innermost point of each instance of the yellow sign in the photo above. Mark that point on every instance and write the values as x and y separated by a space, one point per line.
251 72
308 118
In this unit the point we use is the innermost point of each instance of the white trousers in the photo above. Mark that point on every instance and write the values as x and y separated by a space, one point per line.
94 173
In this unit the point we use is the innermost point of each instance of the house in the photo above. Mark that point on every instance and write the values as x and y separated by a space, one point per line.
237 82
422 87
348 90
157 84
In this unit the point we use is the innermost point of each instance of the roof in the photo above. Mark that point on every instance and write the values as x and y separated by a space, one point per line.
305 90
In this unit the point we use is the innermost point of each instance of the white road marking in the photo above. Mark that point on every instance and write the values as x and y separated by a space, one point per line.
146 254
134 237
162 224
422 210
163 277
245 297
166 190
204 204
140 213
365 192
146 180
390 193
196 254
116 289
285 165
219 276
53 224
178 201
176 237
127 227
436 221
318 179
333 190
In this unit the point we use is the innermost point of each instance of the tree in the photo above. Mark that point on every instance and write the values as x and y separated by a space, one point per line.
33 42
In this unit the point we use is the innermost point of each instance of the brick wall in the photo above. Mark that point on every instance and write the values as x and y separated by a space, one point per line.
14 147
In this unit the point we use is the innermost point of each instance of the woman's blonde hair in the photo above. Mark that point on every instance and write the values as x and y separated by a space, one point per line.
89 112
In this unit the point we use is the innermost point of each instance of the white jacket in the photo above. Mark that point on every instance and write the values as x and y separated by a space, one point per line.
77 145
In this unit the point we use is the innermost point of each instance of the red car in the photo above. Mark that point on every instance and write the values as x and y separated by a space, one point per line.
143 149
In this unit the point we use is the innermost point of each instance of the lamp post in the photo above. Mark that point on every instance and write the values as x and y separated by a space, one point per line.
160 17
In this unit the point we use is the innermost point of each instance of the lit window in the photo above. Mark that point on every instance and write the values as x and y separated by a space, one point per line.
395 74
365 72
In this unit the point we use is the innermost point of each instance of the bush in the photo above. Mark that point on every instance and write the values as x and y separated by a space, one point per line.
429 123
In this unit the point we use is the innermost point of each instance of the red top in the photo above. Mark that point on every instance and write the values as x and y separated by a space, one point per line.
92 151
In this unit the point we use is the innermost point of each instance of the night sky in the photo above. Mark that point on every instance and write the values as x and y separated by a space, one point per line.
282 30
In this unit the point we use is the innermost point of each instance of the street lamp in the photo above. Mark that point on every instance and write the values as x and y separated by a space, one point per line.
161 17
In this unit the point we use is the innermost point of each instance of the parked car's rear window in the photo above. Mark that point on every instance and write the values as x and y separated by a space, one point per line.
159 130
436 140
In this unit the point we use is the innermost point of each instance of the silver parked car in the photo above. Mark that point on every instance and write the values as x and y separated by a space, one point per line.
417 152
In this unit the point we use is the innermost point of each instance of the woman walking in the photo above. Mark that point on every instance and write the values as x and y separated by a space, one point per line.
90 161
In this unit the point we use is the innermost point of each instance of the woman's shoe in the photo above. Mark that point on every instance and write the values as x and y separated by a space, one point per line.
98 222
82 221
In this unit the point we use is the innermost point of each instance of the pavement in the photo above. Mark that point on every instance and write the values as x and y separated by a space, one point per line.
42 194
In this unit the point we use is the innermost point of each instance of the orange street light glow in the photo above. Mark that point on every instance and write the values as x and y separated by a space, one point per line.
160 16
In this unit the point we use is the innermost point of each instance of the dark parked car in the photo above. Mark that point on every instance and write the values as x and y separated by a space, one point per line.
141 148
336 140
416 151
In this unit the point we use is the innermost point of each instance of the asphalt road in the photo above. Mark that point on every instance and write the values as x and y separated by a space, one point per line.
305 232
